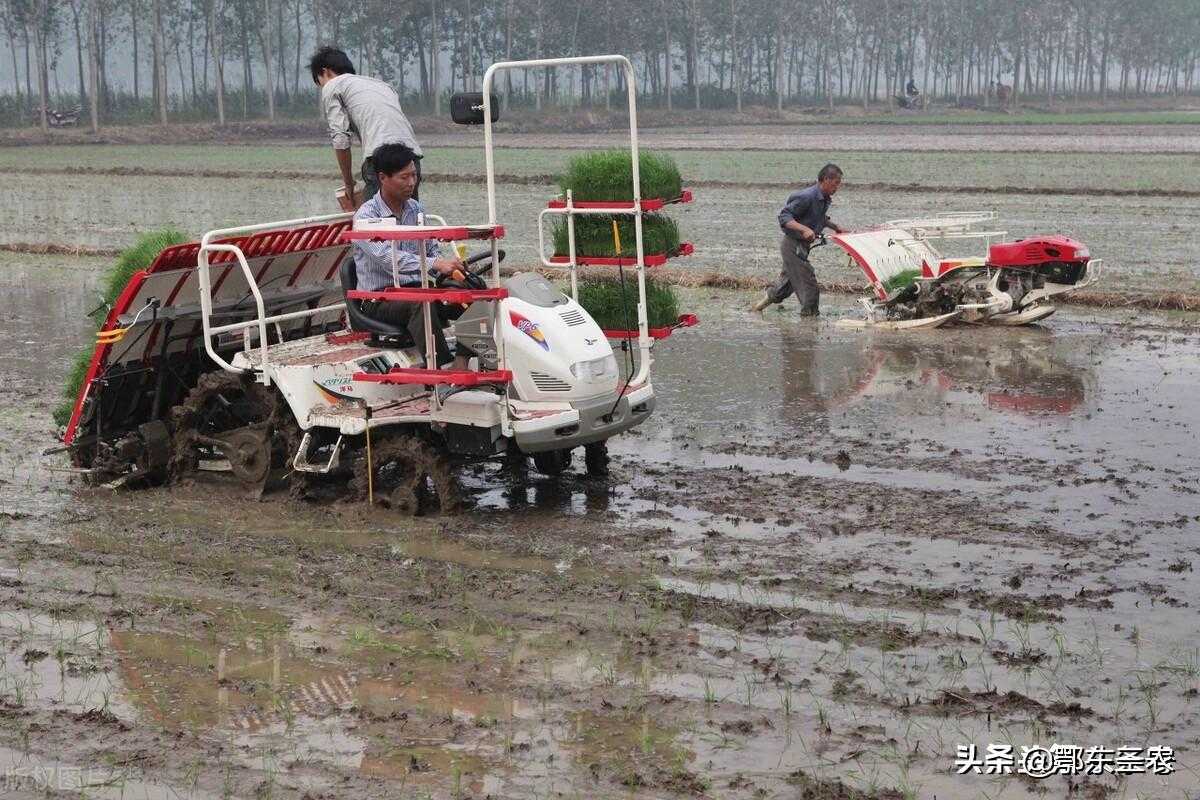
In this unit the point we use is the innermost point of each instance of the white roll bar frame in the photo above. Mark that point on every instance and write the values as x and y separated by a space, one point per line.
645 343
204 281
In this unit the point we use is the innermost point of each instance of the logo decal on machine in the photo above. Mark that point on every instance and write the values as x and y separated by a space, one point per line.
334 390
529 328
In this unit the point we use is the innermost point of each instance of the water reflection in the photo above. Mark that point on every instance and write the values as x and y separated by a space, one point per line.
1005 370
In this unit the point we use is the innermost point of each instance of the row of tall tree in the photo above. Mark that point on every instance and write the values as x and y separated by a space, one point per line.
191 57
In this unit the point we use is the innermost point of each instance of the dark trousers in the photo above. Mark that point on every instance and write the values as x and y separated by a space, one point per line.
371 180
797 276
410 317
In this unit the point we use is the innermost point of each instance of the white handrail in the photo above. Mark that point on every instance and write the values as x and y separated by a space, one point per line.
630 85
207 245
205 286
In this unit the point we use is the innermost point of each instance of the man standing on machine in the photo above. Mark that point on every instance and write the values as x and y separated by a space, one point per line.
802 219
355 103
396 168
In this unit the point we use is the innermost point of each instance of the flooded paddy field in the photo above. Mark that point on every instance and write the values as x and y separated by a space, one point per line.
815 581
1004 172
734 229
1180 138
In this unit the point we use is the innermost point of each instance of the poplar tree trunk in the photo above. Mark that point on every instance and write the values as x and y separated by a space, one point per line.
39 36
733 46
265 38
160 63
76 9
667 52
508 37
93 65
133 26
433 57
217 16
694 56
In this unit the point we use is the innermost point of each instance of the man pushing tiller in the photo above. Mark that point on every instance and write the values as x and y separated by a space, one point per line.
802 219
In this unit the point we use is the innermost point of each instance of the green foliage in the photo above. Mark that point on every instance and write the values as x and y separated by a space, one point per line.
75 376
139 256
594 235
608 176
614 307
900 280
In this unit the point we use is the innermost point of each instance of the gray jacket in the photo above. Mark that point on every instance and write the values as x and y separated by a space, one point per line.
809 207
368 107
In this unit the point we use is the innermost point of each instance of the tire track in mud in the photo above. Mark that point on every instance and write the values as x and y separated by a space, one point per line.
550 179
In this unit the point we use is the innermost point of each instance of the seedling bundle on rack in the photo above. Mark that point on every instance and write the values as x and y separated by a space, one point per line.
608 215
139 256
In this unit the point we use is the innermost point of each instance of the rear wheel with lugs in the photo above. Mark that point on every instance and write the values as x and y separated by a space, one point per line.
407 475
231 417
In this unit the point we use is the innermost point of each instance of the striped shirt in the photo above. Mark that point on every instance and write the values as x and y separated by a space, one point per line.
373 260
368 107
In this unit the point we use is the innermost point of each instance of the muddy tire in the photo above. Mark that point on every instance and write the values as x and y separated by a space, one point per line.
514 460
552 462
219 404
407 475
595 458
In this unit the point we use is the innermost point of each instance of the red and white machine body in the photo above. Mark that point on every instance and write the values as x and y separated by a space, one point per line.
917 286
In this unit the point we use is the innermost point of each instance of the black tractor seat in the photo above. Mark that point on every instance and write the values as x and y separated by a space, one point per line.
381 332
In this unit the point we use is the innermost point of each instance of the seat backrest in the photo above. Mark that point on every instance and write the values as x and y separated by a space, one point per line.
348 273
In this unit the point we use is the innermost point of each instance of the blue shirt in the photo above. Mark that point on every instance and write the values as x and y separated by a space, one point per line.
809 207
373 260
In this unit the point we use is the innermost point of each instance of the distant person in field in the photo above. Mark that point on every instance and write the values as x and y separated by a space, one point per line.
355 104
802 219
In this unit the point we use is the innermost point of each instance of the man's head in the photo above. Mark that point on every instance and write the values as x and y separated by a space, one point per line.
327 63
396 167
830 179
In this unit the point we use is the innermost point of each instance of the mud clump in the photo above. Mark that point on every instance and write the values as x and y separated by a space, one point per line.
811 787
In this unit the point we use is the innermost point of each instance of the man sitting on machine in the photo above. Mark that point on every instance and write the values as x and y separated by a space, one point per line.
396 167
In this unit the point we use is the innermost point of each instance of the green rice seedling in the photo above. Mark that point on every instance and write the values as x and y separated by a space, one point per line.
594 236
614 306
901 280
608 176
139 256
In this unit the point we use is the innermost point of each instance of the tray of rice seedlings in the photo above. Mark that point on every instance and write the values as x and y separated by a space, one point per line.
607 176
140 256
614 306
595 243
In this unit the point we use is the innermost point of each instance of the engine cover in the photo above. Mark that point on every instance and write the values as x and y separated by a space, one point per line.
1036 251
1055 259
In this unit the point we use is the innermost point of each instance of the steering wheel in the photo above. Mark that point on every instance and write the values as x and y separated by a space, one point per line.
472 276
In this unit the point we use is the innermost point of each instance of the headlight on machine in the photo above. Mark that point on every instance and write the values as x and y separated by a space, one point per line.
596 370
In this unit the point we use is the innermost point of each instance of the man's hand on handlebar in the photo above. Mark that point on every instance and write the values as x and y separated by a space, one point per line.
448 266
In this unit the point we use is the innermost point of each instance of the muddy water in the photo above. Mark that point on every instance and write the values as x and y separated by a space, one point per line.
863 551
1147 243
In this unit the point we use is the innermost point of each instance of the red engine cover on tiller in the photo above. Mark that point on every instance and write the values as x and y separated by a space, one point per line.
1037 250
